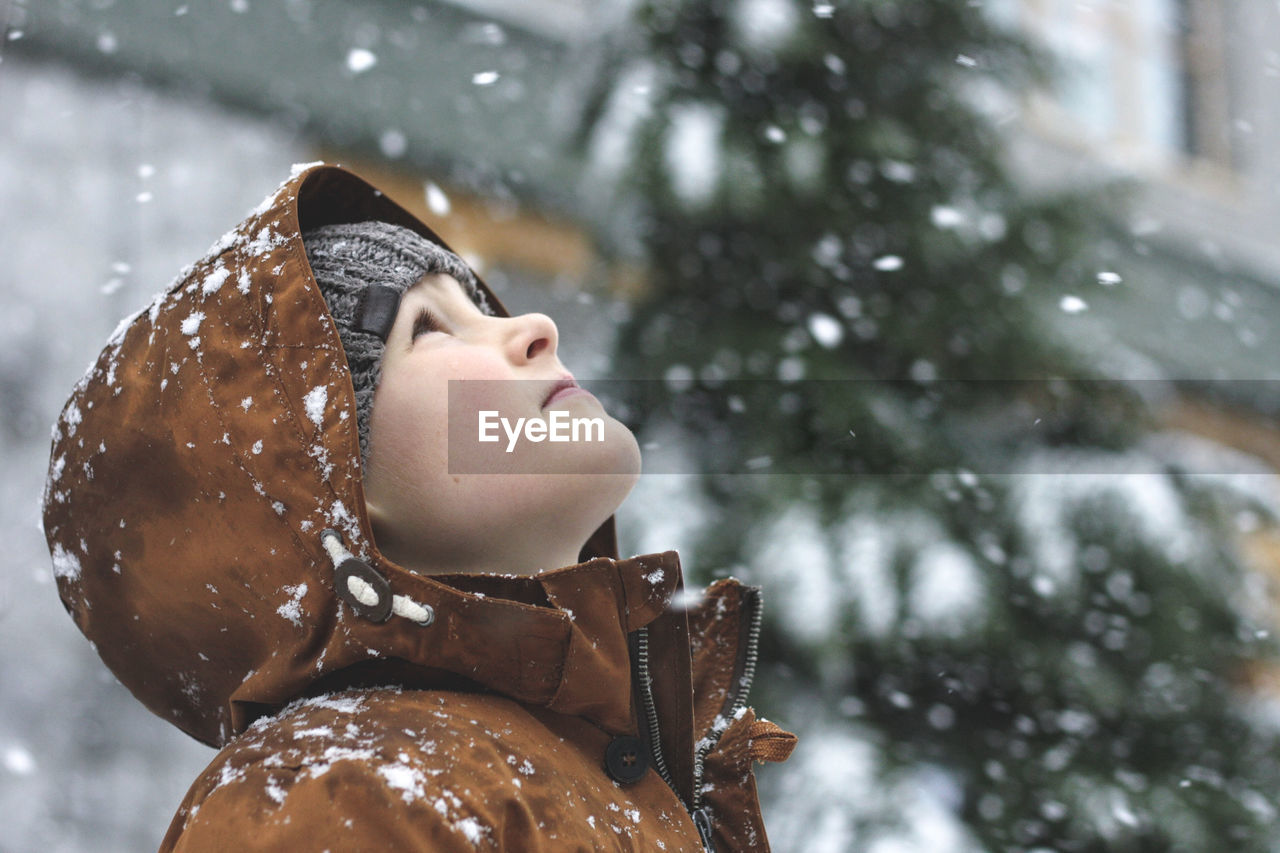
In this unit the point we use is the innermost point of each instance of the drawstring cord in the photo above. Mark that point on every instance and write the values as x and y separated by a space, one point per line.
364 592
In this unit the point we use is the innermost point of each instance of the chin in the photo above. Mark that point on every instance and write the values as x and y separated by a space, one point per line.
603 473
612 462
626 466
620 452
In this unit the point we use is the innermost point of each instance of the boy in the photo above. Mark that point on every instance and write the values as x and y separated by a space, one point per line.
251 517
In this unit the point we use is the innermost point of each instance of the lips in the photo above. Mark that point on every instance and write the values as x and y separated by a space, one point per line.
566 381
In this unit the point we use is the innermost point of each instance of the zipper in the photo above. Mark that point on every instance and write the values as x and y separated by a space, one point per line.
743 674
702 820
640 650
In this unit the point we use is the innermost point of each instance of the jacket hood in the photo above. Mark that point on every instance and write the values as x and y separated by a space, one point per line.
198 465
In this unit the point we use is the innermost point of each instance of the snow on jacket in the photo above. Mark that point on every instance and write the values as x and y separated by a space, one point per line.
205 515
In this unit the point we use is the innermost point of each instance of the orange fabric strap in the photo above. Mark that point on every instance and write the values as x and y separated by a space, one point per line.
769 742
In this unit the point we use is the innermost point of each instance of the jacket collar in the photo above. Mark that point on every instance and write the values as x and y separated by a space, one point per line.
557 640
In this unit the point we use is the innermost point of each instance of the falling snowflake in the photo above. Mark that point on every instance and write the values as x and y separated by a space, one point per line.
1072 304
437 201
360 60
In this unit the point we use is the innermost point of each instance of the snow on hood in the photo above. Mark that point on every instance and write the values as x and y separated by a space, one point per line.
196 464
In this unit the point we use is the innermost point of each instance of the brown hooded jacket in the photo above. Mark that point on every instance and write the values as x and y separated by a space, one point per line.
206 519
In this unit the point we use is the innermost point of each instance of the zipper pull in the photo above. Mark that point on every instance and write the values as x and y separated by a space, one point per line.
702 820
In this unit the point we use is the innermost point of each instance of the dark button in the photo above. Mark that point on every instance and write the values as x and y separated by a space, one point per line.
378 592
625 759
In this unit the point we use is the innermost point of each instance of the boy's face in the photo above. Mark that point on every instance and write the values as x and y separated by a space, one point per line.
429 520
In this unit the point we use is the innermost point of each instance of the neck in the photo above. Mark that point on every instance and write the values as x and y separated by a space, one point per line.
524 564
518 560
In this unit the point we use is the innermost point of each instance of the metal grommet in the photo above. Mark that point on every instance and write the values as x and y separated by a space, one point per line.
365 590
625 759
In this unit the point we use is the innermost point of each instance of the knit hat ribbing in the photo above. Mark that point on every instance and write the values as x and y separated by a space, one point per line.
346 259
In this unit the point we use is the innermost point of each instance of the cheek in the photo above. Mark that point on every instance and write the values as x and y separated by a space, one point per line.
407 423
471 363
409 427
484 382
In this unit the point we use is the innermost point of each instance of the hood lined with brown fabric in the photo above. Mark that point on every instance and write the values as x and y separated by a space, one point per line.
204 495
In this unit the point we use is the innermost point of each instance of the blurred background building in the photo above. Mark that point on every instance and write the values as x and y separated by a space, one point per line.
136 132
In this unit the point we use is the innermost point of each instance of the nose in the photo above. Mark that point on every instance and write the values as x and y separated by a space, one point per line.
531 336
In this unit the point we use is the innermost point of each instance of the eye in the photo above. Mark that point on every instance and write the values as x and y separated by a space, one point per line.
423 323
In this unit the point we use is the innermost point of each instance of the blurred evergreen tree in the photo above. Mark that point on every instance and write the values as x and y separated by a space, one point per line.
824 208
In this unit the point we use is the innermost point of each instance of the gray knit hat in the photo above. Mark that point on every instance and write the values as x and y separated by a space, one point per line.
363 268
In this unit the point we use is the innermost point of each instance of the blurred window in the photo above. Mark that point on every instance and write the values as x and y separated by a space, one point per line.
1206 111
1144 79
